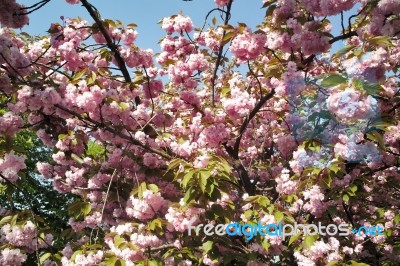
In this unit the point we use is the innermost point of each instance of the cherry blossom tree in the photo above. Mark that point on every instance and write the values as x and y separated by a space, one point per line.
227 123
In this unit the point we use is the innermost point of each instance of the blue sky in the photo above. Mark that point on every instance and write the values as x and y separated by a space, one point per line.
145 14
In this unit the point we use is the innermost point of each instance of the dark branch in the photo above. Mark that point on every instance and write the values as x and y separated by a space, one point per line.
221 50
111 45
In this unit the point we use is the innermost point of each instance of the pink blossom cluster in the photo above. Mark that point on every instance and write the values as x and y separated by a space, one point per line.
10 165
303 158
12 257
328 7
371 67
349 148
145 241
248 46
350 105
179 218
273 127
24 236
5 83
152 89
314 201
93 258
379 24
13 14
306 38
10 124
10 50
221 3
135 57
174 47
181 73
147 207
284 184
177 23
320 251
239 104
73 2
210 38
129 255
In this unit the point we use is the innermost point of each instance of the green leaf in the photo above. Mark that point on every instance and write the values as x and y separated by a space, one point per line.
228 37
332 263
154 263
309 241
293 238
173 164
79 209
358 52
3 189
142 188
44 257
153 188
110 261
353 188
265 244
279 216
263 201
189 195
78 75
343 51
335 168
332 80
5 220
207 246
355 263
119 241
397 219
346 197
77 159
381 40
204 175
187 178
62 136
120 263
225 91
92 78
378 138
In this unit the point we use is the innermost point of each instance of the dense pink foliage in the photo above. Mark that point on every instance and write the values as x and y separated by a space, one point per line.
225 124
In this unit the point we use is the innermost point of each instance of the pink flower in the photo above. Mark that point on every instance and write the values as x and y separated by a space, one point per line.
178 24
11 165
221 3
145 208
327 7
349 105
315 204
73 2
284 184
12 14
248 46
10 124
12 257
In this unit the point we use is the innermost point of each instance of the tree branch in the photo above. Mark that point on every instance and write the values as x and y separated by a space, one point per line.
111 45
220 51
117 133
244 178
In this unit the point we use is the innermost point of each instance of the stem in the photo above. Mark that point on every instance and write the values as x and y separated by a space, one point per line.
220 51
111 45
